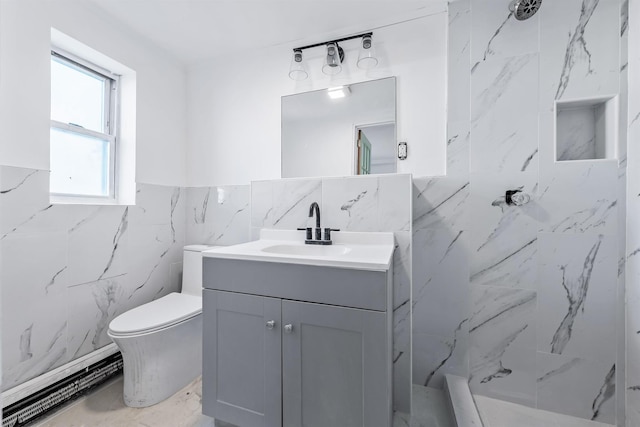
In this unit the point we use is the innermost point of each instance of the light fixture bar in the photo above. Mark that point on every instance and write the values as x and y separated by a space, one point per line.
334 41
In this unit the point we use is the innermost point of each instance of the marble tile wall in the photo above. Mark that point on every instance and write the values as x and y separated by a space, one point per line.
69 269
524 300
632 254
218 216
372 203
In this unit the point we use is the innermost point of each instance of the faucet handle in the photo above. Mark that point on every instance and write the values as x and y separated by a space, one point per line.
327 232
308 230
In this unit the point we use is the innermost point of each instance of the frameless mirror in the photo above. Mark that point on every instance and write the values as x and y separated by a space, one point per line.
346 130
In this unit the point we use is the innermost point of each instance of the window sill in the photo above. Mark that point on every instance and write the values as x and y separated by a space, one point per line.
87 201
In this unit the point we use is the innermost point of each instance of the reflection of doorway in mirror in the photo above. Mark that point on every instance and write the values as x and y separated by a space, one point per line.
375 148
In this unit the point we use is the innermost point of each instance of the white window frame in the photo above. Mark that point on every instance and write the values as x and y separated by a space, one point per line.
111 113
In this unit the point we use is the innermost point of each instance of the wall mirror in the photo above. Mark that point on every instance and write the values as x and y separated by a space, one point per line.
345 130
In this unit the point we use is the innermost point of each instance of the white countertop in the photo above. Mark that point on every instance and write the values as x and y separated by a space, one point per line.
361 250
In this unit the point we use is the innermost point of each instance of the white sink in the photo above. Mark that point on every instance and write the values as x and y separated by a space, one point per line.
313 250
356 250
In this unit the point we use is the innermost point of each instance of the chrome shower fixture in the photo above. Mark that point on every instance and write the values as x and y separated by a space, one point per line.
524 9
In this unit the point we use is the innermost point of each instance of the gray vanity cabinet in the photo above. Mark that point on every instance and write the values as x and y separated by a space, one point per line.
324 358
278 361
242 358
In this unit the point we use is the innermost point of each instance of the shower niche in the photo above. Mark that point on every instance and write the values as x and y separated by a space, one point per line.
586 129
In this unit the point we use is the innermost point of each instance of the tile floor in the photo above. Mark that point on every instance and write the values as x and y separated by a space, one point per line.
105 408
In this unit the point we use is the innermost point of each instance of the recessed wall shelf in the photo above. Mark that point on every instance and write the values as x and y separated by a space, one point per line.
586 129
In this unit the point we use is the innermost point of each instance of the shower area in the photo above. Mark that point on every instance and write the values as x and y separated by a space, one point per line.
525 299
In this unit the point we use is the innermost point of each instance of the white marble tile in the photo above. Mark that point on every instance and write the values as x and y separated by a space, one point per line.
440 202
632 344
577 387
499 84
441 291
291 201
502 338
219 215
546 143
197 210
579 197
505 141
394 207
402 320
576 55
503 238
434 356
284 204
24 193
98 245
261 203
34 307
231 215
33 265
154 204
351 204
504 138
459 47
497 34
402 268
94 306
255 233
458 135
39 342
632 396
151 252
24 196
577 296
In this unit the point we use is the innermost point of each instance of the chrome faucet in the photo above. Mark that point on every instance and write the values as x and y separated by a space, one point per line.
315 209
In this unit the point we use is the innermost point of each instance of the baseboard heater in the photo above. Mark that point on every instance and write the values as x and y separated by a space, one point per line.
38 404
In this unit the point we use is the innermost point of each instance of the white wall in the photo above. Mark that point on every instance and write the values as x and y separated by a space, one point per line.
24 89
234 102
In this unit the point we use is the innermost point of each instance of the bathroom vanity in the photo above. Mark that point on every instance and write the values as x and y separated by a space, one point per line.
297 335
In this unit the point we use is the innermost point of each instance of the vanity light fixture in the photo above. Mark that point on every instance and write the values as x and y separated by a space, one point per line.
335 56
297 70
338 92
333 62
367 57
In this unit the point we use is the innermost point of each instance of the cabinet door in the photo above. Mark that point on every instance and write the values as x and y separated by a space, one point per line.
335 367
242 359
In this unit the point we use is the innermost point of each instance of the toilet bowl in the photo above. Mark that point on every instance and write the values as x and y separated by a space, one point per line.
161 341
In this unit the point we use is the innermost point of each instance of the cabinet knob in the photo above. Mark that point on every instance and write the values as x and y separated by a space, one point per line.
288 328
271 324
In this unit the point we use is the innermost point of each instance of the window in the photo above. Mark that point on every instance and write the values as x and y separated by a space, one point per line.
83 129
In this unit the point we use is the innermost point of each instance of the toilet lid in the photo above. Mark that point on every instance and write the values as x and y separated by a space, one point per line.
163 312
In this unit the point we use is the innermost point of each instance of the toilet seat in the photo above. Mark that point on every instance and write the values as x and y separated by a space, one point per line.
167 311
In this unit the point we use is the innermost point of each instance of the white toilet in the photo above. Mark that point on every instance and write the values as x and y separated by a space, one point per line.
161 341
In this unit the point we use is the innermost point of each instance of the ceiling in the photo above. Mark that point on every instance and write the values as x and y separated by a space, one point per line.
194 30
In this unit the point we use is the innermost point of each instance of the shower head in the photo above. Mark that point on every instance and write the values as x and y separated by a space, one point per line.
524 9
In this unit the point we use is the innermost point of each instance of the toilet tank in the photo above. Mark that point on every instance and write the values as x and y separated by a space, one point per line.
192 269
